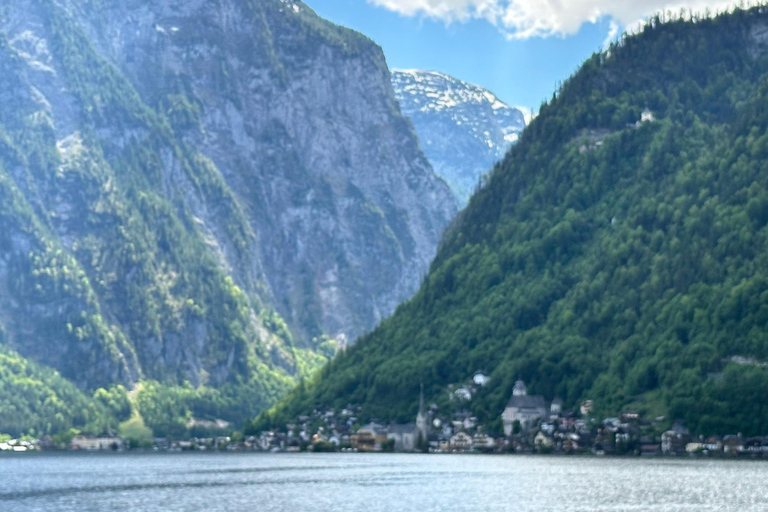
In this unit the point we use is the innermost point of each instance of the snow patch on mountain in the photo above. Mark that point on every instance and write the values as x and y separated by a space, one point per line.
463 128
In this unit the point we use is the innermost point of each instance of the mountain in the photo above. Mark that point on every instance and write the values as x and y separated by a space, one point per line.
615 254
195 197
464 129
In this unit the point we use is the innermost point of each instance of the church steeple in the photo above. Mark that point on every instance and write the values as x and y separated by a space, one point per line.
422 420
519 389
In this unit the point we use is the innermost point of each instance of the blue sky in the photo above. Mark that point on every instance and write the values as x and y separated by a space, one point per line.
519 72
518 49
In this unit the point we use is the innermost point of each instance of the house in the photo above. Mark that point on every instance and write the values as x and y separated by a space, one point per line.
461 442
587 406
369 438
463 394
629 417
483 442
650 450
107 442
646 116
543 443
567 421
405 436
673 441
733 445
555 408
755 446
713 444
523 409
480 380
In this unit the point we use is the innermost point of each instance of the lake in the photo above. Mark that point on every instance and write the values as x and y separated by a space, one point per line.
374 482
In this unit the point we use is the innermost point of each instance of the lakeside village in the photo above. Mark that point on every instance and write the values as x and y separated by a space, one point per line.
530 425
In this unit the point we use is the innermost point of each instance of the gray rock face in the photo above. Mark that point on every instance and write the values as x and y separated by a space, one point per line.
273 136
300 117
464 129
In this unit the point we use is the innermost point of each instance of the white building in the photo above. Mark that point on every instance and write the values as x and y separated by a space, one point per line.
461 442
82 442
646 116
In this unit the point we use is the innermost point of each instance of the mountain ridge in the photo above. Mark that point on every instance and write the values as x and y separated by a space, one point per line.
198 198
611 256
464 128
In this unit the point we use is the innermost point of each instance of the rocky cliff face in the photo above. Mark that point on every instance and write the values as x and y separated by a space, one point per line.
300 118
464 129
180 176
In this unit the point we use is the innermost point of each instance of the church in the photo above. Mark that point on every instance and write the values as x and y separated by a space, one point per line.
523 408
407 437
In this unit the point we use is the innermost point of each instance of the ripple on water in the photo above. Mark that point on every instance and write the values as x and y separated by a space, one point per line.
375 483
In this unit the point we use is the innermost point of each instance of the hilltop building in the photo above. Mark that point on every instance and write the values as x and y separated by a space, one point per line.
647 116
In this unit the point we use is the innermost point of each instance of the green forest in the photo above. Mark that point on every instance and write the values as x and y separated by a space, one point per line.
603 258
107 278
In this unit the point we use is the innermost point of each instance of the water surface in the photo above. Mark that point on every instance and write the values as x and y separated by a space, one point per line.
375 482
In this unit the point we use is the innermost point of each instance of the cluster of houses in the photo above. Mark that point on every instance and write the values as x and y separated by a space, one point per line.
530 424
115 443
20 445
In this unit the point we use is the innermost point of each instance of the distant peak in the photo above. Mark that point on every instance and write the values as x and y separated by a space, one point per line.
438 80
463 128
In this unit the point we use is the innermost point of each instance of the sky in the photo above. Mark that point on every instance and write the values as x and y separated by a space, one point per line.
518 49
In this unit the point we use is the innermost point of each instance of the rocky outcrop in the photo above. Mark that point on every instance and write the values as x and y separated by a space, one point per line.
464 129
300 118
204 169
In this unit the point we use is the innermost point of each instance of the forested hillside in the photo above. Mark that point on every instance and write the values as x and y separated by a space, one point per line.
195 199
604 258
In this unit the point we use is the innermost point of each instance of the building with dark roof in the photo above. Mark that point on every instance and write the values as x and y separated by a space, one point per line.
405 436
523 408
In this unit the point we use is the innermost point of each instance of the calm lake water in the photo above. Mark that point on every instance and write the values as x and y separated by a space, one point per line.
374 482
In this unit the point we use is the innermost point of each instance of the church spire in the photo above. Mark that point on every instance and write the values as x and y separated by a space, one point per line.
422 421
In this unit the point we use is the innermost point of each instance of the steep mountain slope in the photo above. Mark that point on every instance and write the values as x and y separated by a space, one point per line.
176 178
607 260
300 118
37 400
463 128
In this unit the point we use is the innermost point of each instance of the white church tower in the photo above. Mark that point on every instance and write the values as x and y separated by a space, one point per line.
422 420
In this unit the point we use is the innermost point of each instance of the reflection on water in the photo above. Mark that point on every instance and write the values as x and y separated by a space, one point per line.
374 482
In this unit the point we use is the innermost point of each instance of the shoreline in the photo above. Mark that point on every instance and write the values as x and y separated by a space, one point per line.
160 453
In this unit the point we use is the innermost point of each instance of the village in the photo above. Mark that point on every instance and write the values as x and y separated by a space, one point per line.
529 425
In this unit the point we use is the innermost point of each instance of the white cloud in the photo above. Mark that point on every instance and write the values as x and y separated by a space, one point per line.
528 114
613 34
520 19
